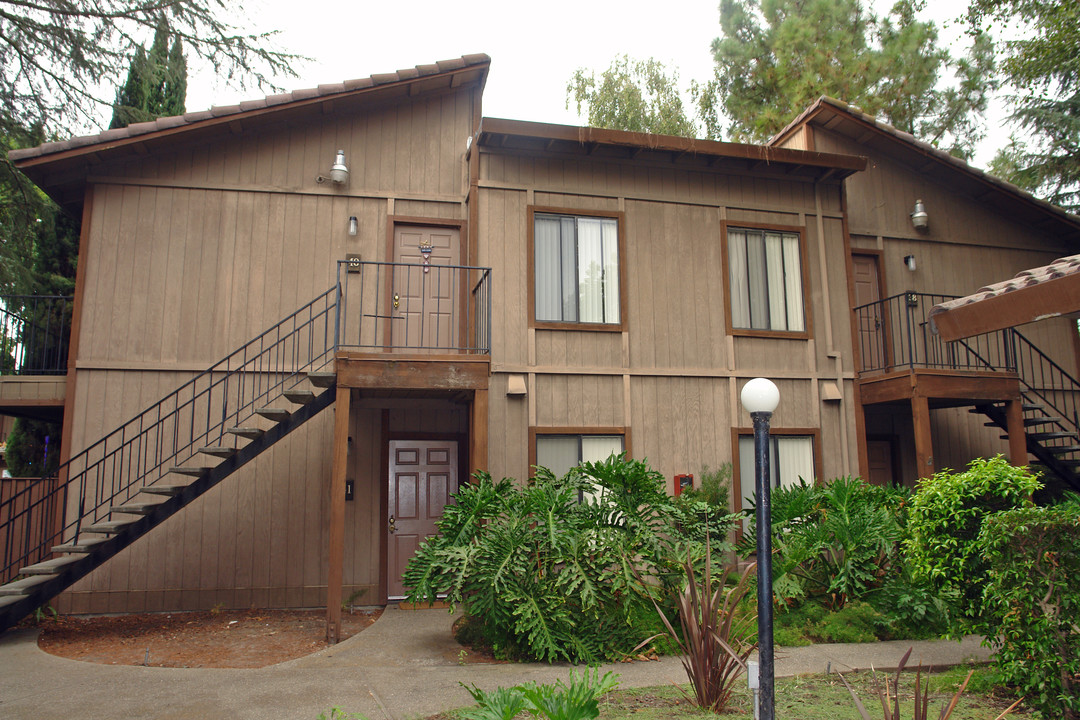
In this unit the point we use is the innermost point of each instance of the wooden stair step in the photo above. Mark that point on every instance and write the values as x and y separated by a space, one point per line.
135 508
322 379
299 396
273 413
109 527
1059 461
169 490
24 586
222 451
193 470
81 547
1062 449
1032 407
251 433
50 567
9 600
1029 422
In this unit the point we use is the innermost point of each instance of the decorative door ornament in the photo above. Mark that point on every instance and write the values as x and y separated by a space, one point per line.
425 250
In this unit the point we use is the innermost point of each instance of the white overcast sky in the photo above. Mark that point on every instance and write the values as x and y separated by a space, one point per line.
534 47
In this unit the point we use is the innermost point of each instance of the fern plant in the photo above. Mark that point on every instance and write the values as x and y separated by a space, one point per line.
542 574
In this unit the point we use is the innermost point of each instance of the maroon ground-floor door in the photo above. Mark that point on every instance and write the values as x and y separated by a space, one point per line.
423 475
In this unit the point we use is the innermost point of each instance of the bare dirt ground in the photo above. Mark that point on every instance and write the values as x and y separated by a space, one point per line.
210 639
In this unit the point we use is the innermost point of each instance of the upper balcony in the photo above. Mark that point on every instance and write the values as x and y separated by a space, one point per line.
413 326
902 356
35 331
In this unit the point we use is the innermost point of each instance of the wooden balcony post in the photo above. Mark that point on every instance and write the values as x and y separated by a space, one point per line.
924 444
1014 423
336 533
478 432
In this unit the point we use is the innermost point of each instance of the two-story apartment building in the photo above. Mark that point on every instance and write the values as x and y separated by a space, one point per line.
476 293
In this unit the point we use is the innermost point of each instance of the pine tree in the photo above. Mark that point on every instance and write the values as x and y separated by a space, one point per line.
156 84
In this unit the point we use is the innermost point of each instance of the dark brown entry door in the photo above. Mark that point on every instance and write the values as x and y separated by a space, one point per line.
426 298
423 475
873 341
879 453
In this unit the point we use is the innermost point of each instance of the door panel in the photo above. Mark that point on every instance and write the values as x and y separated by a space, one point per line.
873 338
426 295
423 475
879 453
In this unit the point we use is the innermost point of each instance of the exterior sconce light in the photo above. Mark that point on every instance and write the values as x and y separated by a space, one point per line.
760 397
353 226
919 219
339 171
909 260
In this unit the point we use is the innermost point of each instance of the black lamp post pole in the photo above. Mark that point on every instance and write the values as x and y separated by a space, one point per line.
764 564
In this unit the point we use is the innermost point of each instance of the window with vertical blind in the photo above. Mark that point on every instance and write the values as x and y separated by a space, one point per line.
791 457
559 453
576 269
765 280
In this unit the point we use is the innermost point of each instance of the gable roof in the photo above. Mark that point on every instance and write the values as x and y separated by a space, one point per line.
838 117
60 168
599 143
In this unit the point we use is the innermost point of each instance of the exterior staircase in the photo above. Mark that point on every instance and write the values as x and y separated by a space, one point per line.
1051 403
144 472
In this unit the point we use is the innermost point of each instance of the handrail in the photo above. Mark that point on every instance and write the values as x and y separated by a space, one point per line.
424 307
1059 382
168 433
895 333
34 334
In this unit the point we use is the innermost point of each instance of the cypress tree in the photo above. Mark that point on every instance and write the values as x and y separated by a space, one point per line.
156 84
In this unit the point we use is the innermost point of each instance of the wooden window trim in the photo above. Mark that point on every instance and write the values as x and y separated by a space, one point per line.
534 432
620 218
804 265
736 474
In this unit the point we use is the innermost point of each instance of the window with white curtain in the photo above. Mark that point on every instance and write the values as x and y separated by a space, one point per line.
559 453
791 458
577 269
765 280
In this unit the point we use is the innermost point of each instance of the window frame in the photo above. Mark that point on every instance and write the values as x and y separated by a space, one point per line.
736 470
535 432
804 265
620 220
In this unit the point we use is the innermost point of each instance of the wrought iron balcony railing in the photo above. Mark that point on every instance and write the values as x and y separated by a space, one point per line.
400 307
34 334
895 334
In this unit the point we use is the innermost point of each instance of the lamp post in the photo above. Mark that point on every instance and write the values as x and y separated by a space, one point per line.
760 397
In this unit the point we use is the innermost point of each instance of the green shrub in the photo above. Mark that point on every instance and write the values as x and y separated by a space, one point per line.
1031 603
944 522
579 700
715 487
544 575
836 542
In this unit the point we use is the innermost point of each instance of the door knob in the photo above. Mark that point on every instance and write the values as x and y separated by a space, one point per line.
396 301
393 528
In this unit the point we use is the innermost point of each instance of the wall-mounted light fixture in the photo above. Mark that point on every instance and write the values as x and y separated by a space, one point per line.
353 226
918 216
339 171
909 262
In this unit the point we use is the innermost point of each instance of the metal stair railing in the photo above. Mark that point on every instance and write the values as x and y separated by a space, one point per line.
168 433
1047 380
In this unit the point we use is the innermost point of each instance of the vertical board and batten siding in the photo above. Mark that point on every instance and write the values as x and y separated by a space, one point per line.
193 252
672 378
967 245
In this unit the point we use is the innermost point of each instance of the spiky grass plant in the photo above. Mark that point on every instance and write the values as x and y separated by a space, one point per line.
716 637
889 695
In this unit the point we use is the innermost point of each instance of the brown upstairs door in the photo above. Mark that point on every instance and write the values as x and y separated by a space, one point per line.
423 475
873 340
426 294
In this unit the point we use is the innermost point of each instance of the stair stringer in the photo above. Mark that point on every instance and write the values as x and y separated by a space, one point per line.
1044 454
11 613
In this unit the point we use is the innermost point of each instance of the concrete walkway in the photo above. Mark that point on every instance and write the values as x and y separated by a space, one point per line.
404 666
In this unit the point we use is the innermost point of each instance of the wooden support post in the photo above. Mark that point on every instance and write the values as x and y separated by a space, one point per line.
924 444
337 515
1014 424
478 432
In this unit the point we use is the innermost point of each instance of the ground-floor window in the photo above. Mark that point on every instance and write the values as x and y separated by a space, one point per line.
791 457
559 453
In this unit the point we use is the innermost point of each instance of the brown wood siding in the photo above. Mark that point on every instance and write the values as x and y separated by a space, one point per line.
672 377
